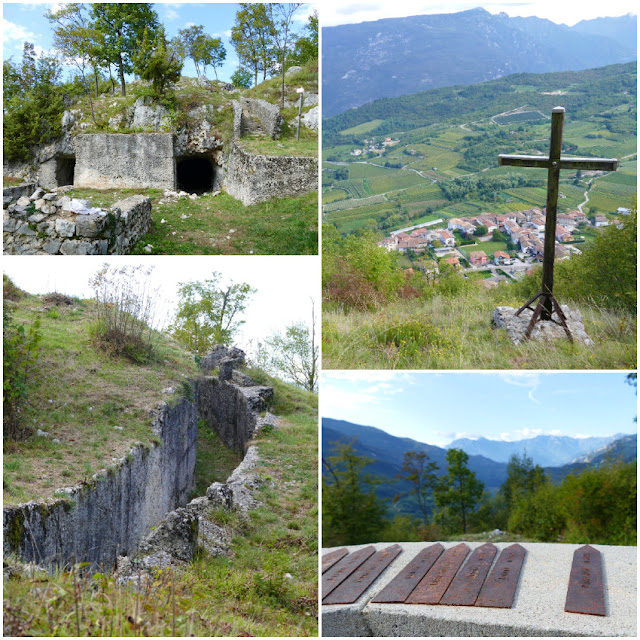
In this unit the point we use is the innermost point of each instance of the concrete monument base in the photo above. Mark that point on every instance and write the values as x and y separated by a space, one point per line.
538 608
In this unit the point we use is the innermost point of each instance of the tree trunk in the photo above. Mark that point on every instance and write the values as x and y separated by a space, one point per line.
283 70
124 90
95 75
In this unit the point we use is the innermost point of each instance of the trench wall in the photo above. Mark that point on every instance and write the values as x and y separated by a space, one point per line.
125 161
110 515
253 178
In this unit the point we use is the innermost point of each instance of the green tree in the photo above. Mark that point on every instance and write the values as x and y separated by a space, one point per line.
252 38
417 470
157 63
294 354
306 49
32 103
459 490
209 313
77 39
281 17
211 53
481 231
241 78
351 511
522 479
123 25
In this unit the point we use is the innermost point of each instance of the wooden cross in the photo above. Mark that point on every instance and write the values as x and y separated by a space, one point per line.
547 303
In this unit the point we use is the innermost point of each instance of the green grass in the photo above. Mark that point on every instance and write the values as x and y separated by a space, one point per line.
455 333
365 127
223 225
80 395
488 247
8 181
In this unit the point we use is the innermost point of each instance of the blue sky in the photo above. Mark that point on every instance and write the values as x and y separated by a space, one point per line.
439 407
25 21
335 12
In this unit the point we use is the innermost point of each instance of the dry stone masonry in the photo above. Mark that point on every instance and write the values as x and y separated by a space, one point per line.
139 507
56 224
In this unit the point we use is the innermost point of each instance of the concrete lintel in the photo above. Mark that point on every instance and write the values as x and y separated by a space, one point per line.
538 608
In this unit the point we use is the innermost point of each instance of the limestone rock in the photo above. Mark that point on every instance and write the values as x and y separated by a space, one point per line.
177 535
23 201
310 119
291 71
65 227
242 379
149 117
212 538
515 326
220 496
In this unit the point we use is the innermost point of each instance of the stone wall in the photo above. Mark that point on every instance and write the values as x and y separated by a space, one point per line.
125 161
108 516
49 224
253 178
231 411
267 114
11 194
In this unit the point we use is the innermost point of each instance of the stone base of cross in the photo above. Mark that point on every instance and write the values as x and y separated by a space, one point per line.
547 304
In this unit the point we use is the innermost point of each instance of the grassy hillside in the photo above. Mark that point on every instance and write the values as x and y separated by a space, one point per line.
97 406
442 134
455 333
267 585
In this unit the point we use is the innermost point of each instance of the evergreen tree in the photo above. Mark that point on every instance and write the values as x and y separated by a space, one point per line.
522 479
351 511
417 469
156 62
460 490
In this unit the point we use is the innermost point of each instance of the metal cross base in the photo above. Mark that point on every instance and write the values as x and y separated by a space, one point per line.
542 303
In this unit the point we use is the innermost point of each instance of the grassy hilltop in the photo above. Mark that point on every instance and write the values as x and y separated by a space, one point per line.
93 407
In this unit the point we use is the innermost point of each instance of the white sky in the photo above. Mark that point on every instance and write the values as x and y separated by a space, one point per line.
285 284
567 12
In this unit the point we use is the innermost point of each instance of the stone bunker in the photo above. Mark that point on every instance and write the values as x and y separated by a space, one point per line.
538 607
113 514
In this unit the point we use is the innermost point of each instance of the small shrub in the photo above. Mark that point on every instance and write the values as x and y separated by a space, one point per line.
9 290
351 291
125 313
20 349
58 299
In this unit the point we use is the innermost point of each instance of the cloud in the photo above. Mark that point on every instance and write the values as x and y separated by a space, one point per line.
525 380
336 400
12 31
357 7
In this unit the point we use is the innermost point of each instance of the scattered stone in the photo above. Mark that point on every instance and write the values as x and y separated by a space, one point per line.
292 71
220 496
515 326
118 428
177 535
23 201
148 248
37 194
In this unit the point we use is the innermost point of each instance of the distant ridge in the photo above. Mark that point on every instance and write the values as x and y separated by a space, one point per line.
398 56
547 451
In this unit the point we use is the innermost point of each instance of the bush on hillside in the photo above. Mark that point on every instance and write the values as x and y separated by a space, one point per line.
125 312
20 352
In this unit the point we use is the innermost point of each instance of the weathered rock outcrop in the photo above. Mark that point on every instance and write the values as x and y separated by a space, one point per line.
109 516
51 223
253 178
266 114
114 514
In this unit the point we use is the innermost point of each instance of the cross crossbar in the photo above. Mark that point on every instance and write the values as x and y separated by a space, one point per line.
547 304
589 164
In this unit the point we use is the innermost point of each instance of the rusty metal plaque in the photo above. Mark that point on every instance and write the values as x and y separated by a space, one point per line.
586 590
432 587
343 569
329 559
399 589
465 587
359 581
499 588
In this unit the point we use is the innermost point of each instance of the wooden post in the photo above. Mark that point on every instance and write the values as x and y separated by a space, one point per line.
553 187
301 91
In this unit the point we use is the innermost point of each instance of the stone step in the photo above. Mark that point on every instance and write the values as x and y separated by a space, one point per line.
538 606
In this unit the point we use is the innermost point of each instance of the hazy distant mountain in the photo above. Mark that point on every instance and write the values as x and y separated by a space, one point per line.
388 451
397 56
547 451
624 449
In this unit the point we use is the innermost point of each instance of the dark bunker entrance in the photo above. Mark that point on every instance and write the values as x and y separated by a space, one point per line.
195 174
65 170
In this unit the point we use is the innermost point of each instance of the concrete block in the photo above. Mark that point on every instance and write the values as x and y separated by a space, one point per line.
538 608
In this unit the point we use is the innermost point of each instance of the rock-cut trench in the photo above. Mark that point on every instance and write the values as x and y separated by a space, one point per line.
149 490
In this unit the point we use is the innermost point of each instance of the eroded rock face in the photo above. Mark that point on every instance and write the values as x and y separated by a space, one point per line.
252 178
515 326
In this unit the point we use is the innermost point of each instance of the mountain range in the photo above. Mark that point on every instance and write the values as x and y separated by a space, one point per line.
387 452
547 451
397 56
